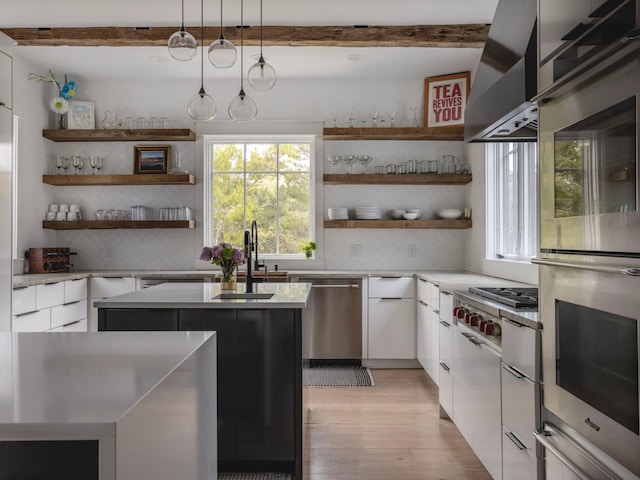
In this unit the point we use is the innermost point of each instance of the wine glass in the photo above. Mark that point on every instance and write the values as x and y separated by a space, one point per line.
77 164
364 161
65 164
352 117
392 119
93 162
59 162
349 160
382 119
98 164
363 121
335 120
374 120
334 160
413 121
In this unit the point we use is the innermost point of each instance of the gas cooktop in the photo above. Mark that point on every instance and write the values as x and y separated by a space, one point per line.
515 297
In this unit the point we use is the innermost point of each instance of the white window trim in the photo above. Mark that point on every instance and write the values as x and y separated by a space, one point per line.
209 140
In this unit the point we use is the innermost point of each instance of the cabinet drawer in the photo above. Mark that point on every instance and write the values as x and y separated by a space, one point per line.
392 328
75 290
49 295
446 306
520 347
517 463
445 388
391 287
445 341
520 398
79 326
39 321
103 287
23 300
422 290
66 314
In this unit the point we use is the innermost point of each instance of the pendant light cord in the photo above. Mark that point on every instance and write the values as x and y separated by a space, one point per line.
241 44
221 2
182 15
260 28
202 41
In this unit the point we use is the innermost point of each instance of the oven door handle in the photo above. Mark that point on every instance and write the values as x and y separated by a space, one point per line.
631 271
550 430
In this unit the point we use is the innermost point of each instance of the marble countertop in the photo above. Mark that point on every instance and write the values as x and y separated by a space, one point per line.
205 295
85 378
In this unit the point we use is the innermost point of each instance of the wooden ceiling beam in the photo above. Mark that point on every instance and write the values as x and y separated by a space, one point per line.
434 36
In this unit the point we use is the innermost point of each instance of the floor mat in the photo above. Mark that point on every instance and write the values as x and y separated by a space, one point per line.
348 376
254 476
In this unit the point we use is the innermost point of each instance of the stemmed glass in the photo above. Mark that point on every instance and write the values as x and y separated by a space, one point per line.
413 121
352 117
65 164
364 161
334 160
59 163
335 120
382 119
348 160
363 121
392 118
77 164
374 120
94 162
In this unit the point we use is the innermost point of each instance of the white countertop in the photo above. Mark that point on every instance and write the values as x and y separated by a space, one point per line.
203 295
85 378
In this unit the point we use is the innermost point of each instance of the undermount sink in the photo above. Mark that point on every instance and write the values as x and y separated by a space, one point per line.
244 296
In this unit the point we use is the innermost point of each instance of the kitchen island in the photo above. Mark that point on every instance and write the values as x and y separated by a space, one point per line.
108 406
259 362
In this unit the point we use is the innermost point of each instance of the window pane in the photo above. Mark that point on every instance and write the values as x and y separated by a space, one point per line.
294 202
228 208
228 158
261 206
261 158
294 157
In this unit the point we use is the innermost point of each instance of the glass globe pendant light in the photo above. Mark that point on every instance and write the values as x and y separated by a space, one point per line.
222 53
242 109
182 45
201 107
261 75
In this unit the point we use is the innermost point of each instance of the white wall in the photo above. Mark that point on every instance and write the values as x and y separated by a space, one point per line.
291 100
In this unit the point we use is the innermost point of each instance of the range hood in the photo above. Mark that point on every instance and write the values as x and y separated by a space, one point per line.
499 106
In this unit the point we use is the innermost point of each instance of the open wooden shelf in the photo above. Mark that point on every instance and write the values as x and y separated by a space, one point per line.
142 179
399 179
113 224
395 133
121 135
407 224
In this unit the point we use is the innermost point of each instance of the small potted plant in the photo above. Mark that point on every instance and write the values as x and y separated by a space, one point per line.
228 259
308 249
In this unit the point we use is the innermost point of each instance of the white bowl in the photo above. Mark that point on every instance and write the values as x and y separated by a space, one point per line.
397 214
415 210
410 215
450 213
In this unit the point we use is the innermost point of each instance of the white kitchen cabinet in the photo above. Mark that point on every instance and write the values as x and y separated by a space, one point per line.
49 295
23 300
105 287
477 397
75 290
38 321
433 323
518 463
391 287
392 328
422 333
6 79
445 365
68 313
77 326
427 326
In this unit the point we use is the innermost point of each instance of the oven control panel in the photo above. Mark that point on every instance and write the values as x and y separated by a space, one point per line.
487 325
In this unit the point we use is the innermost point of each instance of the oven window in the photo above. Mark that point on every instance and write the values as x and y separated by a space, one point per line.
597 360
595 163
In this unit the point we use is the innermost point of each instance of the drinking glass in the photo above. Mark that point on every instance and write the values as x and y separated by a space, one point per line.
364 161
392 119
93 162
77 164
413 120
382 119
129 123
59 162
334 160
65 164
374 120
349 160
363 122
351 120
335 120
98 164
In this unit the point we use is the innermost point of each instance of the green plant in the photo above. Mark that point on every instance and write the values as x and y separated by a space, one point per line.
308 249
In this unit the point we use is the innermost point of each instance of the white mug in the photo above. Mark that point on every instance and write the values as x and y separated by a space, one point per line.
72 216
61 216
51 216
64 208
54 207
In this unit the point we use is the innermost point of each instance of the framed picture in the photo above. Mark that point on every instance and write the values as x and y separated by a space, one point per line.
445 98
81 116
151 158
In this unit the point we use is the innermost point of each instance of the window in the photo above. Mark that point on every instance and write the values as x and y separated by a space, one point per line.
511 200
265 178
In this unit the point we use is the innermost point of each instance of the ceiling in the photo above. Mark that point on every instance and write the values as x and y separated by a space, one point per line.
359 63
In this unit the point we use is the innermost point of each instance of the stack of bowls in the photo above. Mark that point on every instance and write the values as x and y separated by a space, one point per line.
338 213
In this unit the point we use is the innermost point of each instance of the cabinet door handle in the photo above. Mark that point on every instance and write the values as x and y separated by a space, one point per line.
445 293
444 324
516 373
422 303
445 367
512 322
423 280
20 288
2 104
391 276
437 311
466 335
516 442
70 303
26 313
71 323
391 298
475 341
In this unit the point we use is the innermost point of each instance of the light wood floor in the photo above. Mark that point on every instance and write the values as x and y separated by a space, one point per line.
387 432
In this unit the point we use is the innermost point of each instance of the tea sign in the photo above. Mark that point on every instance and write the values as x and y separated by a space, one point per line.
445 98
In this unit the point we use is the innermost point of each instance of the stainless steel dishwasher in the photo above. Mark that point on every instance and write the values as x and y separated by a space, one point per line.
332 321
